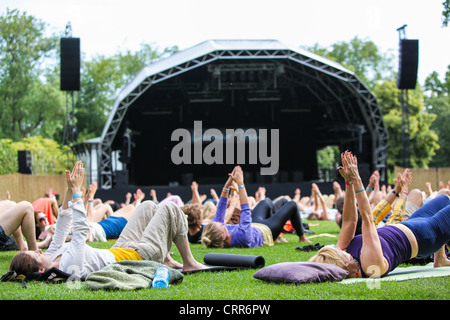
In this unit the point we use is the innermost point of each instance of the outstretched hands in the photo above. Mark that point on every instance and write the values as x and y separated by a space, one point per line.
349 169
75 178
237 175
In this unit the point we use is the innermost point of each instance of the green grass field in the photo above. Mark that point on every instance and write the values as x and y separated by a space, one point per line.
240 284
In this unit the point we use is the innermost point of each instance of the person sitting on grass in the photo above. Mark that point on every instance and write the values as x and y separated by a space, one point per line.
147 236
251 231
376 252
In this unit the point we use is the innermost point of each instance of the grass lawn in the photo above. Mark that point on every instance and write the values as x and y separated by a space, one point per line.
240 284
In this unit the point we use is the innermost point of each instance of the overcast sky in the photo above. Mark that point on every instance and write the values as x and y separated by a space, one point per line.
106 26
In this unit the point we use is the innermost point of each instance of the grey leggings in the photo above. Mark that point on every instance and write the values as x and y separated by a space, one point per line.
152 229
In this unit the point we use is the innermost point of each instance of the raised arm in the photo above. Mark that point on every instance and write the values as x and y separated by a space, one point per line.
75 255
64 221
195 194
223 201
238 176
373 262
246 215
349 212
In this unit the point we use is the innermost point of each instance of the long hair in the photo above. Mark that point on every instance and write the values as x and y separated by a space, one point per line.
23 264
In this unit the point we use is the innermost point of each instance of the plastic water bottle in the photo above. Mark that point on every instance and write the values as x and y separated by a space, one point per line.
161 279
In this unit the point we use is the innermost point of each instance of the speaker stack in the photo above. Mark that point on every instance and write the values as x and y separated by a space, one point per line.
24 161
408 64
70 64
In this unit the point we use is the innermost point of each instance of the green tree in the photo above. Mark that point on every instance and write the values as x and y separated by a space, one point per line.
423 140
437 101
8 157
47 156
362 57
376 70
102 78
446 13
29 103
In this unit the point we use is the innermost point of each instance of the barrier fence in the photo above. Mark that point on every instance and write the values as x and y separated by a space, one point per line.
31 187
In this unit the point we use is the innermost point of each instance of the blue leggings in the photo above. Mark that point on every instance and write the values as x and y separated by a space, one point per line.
431 225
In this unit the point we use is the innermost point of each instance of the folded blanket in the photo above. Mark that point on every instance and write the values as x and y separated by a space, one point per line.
128 275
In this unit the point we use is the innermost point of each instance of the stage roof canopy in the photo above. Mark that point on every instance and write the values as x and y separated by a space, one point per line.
317 102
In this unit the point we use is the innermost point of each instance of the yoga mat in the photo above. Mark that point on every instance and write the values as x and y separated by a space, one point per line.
234 260
406 273
229 262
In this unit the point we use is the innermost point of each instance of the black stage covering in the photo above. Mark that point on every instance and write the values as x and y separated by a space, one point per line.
309 103
301 134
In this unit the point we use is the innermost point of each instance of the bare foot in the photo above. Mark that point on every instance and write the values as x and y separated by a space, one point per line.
193 266
171 263
280 239
441 261
302 238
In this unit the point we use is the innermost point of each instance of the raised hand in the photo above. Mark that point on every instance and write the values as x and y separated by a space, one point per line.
92 189
229 182
349 169
404 180
238 175
75 178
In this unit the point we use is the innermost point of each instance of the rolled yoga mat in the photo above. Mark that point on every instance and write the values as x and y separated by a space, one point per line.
234 260
229 262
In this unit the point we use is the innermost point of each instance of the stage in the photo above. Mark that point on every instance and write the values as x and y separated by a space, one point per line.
255 103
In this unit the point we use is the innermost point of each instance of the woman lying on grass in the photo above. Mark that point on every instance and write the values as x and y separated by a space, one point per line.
376 252
148 235
251 231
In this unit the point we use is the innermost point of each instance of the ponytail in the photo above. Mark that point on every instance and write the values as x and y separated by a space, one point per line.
212 235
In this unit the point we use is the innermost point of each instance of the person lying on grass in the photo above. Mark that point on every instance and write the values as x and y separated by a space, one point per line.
17 219
251 230
376 252
147 236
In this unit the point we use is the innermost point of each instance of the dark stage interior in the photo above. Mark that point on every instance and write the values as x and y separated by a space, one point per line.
310 103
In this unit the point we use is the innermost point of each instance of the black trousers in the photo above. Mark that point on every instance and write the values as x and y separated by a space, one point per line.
264 213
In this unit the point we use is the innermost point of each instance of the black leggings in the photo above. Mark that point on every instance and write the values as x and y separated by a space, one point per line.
263 213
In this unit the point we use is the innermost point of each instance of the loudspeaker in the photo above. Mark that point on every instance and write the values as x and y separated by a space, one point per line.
408 64
24 159
70 64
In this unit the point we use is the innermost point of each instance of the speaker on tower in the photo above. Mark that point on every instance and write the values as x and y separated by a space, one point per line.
408 64
70 64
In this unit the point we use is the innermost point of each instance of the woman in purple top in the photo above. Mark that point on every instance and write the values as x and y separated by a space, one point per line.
376 252
244 235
